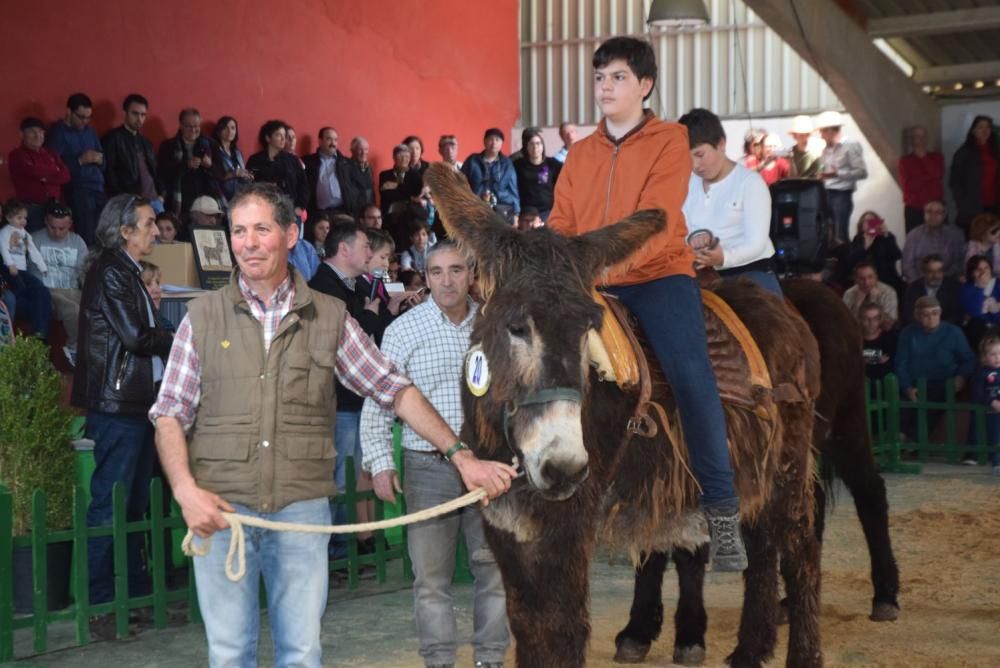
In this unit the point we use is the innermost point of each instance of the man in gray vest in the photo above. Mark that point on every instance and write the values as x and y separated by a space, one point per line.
243 424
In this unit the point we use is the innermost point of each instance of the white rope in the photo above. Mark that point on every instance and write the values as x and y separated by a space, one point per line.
237 542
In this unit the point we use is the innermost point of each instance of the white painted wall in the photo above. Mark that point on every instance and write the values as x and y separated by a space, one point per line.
879 192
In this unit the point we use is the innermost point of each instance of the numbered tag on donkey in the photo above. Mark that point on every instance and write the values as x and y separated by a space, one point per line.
477 371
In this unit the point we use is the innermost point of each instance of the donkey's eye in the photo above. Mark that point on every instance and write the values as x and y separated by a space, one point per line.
518 330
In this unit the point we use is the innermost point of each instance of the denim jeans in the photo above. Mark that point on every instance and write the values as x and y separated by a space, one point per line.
86 204
669 310
32 301
765 279
296 578
429 481
993 436
347 439
841 206
123 453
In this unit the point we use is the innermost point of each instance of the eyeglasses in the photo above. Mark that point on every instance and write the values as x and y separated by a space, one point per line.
83 118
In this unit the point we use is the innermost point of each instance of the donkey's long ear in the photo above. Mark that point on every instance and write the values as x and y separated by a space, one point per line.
615 243
467 218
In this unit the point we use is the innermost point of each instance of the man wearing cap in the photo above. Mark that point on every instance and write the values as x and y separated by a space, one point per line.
843 165
933 350
491 176
206 211
79 147
38 173
804 161
448 148
63 251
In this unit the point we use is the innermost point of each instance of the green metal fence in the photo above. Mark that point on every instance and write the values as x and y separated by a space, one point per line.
888 411
155 529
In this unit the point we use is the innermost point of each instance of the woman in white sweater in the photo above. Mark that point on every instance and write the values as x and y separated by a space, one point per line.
730 201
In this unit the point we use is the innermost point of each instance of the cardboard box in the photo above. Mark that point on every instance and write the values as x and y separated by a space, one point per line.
176 261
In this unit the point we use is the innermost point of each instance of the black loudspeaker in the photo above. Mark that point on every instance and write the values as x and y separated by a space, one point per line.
798 224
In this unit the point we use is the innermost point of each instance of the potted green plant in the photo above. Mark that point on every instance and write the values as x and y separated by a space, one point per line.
35 453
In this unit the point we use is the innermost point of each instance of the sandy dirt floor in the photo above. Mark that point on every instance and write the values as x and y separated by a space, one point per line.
945 526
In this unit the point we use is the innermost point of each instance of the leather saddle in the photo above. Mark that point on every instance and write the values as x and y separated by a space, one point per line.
620 353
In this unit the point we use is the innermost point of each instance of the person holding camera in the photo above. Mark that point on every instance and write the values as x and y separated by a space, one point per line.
874 244
185 163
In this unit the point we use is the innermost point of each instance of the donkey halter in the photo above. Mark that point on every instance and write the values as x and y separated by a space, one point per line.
546 396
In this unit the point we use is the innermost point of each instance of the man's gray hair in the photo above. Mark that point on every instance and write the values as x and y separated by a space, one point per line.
356 142
120 213
281 204
448 245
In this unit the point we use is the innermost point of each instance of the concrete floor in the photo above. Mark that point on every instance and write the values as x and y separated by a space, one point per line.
373 626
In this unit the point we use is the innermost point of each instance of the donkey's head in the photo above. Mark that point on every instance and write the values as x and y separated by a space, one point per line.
533 330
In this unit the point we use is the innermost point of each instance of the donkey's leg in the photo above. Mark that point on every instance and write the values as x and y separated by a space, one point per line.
547 587
819 520
800 568
690 619
645 619
854 464
758 632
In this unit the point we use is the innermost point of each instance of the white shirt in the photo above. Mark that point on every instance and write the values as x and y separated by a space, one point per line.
737 210
16 246
328 192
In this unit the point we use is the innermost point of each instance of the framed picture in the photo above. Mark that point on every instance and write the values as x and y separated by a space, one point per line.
212 255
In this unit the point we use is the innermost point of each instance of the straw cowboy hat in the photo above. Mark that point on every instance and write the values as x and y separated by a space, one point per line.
829 119
801 125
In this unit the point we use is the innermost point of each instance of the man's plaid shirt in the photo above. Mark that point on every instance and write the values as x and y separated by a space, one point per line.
360 366
429 348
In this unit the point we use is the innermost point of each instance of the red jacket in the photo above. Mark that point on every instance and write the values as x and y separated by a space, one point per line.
922 179
601 183
37 175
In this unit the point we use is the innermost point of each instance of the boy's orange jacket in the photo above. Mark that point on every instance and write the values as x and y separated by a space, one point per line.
603 182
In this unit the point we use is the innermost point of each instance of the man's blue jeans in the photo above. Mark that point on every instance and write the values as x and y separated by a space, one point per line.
841 206
123 453
31 300
296 578
347 440
670 312
87 205
431 480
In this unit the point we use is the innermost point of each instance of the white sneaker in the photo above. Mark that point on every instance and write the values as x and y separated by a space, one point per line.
70 354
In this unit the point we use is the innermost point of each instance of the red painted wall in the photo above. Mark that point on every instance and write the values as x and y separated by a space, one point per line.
379 68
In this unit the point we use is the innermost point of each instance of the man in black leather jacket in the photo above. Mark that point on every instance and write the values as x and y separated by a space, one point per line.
129 163
120 361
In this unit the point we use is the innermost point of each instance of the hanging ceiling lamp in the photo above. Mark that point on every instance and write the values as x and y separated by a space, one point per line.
677 14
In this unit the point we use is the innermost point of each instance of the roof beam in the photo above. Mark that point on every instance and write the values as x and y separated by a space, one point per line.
935 23
881 99
952 73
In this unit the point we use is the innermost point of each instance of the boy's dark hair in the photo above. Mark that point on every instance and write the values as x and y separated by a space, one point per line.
168 215
636 52
414 225
704 127
346 231
529 212
134 98
77 100
378 239
931 257
494 132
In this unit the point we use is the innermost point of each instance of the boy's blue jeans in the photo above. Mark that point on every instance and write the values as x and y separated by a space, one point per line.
670 312
993 436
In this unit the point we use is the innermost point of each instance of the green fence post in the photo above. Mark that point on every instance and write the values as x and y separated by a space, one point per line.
81 577
6 576
351 501
119 538
158 550
982 438
39 570
923 428
380 555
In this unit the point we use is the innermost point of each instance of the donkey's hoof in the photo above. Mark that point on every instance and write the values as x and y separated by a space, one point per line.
884 612
693 655
631 651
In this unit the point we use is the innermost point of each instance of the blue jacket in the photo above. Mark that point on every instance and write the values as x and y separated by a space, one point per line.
971 299
498 176
70 144
938 355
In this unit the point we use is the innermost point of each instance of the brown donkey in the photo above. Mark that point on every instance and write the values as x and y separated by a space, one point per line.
536 399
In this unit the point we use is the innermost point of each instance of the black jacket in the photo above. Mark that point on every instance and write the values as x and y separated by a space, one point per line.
354 199
966 189
114 363
183 185
363 179
328 282
284 171
121 166
947 295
